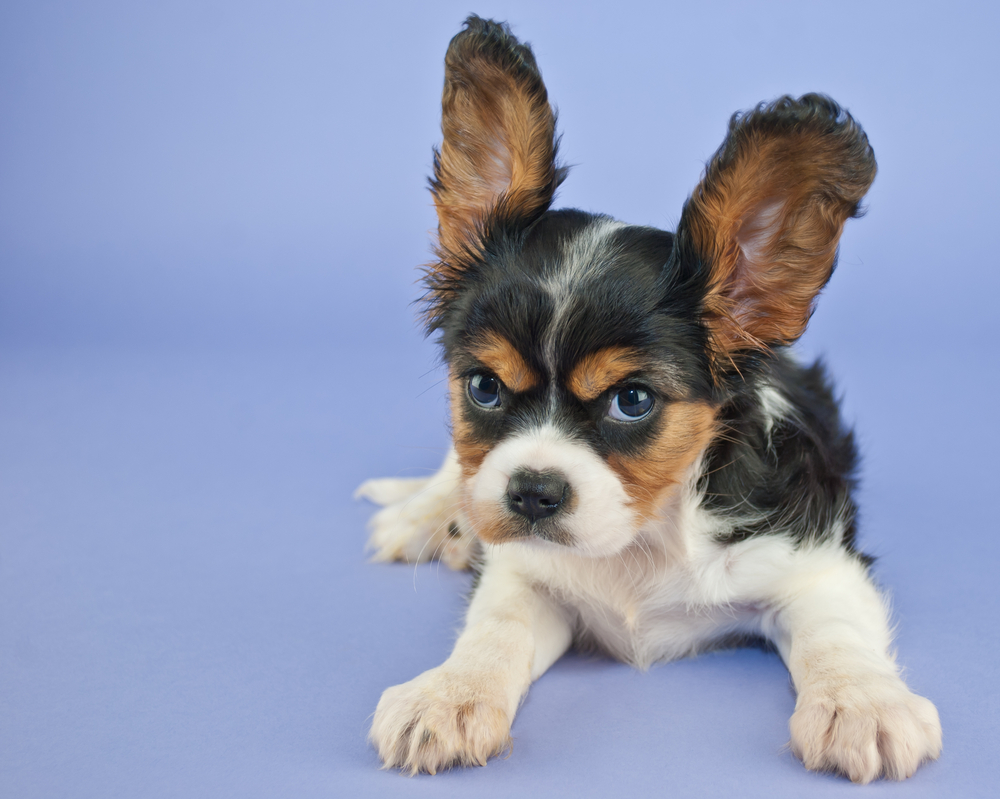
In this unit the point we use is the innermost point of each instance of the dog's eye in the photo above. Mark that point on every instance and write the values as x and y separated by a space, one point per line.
631 404
484 390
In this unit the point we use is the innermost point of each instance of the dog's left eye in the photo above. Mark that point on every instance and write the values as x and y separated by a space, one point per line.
484 390
631 404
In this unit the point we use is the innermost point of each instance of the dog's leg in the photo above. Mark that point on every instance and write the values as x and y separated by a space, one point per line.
421 518
461 711
854 714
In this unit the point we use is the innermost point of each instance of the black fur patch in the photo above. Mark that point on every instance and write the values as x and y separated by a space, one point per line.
793 475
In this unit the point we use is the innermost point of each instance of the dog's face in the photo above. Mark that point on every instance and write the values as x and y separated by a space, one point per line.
580 383
588 359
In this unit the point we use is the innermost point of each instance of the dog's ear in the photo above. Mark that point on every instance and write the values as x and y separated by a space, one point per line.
766 218
498 158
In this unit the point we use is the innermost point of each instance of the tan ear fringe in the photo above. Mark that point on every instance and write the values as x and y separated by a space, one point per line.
497 162
811 161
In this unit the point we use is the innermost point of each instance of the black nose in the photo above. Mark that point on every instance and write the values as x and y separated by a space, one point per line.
536 495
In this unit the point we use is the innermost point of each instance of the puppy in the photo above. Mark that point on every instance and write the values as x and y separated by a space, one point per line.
639 464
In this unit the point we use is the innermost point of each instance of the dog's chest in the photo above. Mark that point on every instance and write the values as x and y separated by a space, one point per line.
660 620
643 607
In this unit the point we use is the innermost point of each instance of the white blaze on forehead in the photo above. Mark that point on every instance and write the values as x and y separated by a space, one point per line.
582 255
582 252
600 520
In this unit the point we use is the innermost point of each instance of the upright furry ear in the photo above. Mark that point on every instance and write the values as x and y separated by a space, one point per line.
766 218
497 160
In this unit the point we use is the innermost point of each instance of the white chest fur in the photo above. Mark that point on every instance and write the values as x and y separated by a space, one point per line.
670 593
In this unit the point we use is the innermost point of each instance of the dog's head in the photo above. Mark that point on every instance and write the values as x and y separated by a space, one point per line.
588 358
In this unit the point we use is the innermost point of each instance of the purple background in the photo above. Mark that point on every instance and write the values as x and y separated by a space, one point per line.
210 219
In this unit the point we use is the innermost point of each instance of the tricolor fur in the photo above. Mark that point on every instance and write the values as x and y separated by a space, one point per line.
639 463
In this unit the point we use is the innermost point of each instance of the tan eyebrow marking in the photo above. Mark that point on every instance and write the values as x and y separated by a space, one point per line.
596 372
499 355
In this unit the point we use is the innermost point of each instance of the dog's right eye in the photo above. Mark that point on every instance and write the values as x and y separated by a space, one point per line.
484 390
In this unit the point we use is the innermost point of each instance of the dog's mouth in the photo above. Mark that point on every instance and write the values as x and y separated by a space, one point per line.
543 530
511 527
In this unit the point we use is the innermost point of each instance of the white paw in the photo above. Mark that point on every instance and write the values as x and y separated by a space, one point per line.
865 728
421 519
411 531
440 719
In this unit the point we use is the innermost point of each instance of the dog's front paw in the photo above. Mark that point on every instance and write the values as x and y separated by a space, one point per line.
408 521
420 519
423 527
865 728
440 719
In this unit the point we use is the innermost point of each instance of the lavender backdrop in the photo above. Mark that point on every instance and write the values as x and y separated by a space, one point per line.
210 218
